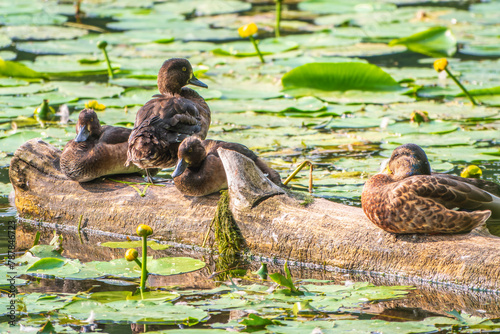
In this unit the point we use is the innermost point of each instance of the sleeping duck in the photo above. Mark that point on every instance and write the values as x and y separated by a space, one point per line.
163 122
199 169
407 198
96 151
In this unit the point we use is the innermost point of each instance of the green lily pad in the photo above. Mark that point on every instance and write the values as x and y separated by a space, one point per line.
174 265
61 47
246 49
319 77
26 32
18 70
200 7
434 42
135 244
38 20
85 90
343 6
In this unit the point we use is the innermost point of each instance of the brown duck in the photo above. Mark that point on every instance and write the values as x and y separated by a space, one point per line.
96 151
163 122
407 198
199 169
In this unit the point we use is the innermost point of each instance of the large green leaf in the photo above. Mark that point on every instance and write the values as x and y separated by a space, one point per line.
434 42
317 77
17 70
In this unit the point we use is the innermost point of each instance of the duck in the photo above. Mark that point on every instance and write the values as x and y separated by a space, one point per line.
166 120
96 150
199 170
406 197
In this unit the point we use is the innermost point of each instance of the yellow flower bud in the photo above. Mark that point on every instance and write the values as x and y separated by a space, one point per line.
144 230
440 64
94 105
472 171
131 254
247 30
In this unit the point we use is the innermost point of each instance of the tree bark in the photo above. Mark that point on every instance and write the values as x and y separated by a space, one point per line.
272 223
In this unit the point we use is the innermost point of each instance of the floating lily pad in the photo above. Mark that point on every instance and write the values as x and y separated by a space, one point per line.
200 7
319 77
174 265
85 90
135 244
434 42
246 49
47 32
343 6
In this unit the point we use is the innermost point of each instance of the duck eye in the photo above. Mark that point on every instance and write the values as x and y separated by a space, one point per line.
190 150
92 119
184 69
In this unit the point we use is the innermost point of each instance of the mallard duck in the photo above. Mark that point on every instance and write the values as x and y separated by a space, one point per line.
199 169
96 151
163 122
407 198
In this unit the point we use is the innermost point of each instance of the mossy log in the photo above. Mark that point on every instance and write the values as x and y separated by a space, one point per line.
272 222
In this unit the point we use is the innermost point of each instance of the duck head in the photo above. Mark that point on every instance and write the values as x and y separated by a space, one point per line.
176 73
87 125
408 160
191 154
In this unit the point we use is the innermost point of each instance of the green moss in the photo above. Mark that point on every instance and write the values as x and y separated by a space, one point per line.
227 234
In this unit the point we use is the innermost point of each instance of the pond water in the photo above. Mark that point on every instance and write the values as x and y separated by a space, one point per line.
346 134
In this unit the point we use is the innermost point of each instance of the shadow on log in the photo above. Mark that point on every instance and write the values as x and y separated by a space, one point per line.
272 222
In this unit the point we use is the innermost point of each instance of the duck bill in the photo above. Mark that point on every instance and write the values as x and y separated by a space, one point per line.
83 134
196 82
180 168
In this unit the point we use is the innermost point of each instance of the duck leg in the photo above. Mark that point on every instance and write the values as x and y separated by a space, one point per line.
149 178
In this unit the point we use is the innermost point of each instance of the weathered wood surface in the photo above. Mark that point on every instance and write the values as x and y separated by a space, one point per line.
323 232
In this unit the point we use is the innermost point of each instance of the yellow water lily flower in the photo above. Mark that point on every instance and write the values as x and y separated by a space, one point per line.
440 64
472 171
131 254
94 105
248 30
144 230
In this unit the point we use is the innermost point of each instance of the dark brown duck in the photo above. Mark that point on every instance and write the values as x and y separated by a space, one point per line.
163 122
96 151
200 171
407 198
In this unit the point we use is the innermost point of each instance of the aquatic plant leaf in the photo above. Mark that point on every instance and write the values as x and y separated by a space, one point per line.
46 263
315 78
112 296
282 280
433 127
33 32
254 320
174 265
246 49
343 6
135 244
14 69
434 42
43 251
144 311
4 41
91 91
59 47
119 268
201 8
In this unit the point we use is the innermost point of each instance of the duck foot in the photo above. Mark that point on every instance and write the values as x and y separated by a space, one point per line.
247 184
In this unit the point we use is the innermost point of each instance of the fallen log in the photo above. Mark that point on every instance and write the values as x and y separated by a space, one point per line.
272 222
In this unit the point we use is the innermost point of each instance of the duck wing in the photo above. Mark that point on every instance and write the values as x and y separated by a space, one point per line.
449 192
114 134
